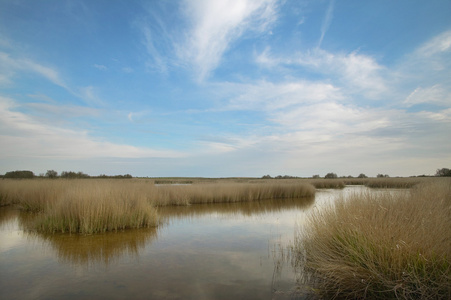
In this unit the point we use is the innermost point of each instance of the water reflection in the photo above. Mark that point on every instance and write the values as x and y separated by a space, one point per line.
103 249
75 249
7 215
236 208
209 251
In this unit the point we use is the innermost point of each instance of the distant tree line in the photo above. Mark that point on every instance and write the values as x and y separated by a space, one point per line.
382 176
65 174
19 174
279 177
444 172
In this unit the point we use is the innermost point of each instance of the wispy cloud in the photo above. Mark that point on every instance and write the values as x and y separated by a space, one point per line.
355 72
211 28
269 96
436 94
326 21
157 60
328 116
215 25
11 65
26 136
100 67
439 44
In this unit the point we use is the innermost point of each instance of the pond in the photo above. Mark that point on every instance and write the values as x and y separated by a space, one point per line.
218 251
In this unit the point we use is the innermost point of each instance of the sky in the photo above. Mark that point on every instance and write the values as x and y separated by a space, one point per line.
225 88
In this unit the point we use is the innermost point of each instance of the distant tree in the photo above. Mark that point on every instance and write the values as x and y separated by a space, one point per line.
82 175
443 172
362 176
382 175
68 174
266 177
315 176
19 174
72 175
51 174
330 176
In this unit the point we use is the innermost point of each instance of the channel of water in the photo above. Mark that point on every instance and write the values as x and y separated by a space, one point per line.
217 251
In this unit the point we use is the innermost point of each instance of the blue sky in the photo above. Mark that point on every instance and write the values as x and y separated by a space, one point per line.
225 88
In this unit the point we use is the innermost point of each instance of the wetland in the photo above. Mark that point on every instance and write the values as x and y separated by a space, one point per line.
234 249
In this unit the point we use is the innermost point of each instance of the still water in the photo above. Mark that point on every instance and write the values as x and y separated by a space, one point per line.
218 251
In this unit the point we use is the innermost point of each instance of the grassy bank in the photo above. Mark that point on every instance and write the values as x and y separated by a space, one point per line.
230 192
99 205
327 183
382 246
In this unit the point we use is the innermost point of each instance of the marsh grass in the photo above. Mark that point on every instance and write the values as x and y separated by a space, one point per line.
93 206
380 246
96 213
328 183
231 192
394 183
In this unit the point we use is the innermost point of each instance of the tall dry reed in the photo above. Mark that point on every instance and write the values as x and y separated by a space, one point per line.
96 212
394 183
327 183
91 206
384 246
230 192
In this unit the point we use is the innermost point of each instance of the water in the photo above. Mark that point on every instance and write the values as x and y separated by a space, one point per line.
218 251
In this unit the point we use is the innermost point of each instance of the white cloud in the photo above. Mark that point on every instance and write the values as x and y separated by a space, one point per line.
100 67
11 65
435 94
89 95
438 44
158 60
327 21
356 73
268 96
24 136
217 24
429 64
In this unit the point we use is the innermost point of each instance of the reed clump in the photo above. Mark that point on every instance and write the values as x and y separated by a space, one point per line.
231 192
380 246
328 183
96 213
394 183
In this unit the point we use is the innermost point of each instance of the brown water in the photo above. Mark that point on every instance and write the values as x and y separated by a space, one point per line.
218 251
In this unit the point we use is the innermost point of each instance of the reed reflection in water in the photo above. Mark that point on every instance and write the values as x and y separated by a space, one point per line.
236 208
103 249
199 251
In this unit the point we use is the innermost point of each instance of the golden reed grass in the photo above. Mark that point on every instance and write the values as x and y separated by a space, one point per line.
100 205
381 246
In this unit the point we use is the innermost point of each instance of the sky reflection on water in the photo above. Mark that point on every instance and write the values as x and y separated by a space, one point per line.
218 251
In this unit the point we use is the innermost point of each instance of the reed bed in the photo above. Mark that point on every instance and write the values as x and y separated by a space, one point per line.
394 183
380 246
97 205
328 183
95 213
231 192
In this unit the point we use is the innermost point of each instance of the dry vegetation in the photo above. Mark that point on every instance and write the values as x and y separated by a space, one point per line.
380 246
328 183
100 205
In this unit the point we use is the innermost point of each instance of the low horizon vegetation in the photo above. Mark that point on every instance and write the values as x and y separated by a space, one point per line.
380 246
52 174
